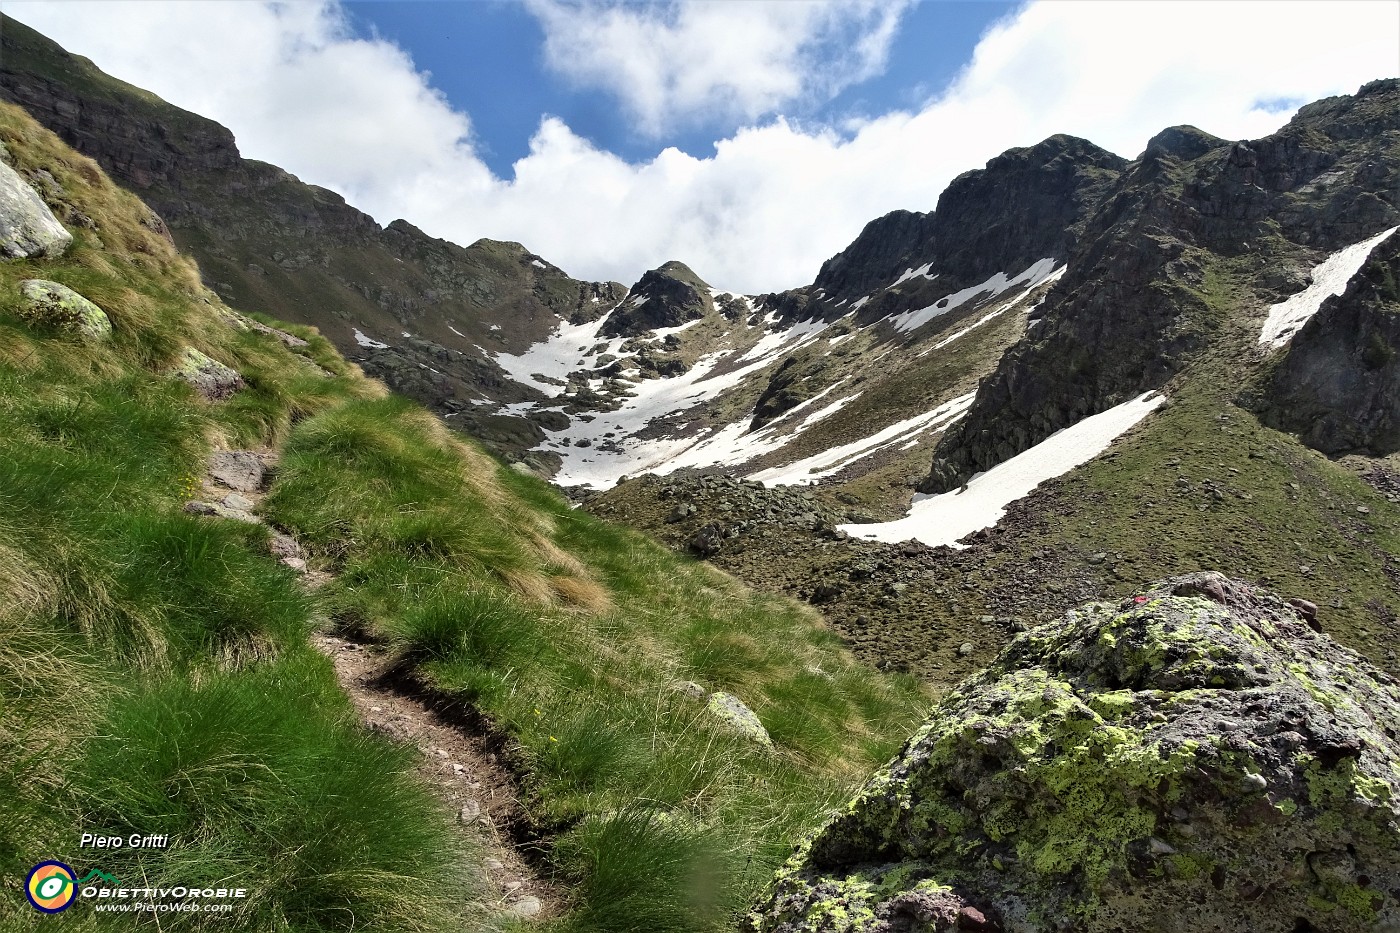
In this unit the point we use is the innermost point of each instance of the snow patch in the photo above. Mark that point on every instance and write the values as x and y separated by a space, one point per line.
537 263
369 342
1330 277
921 272
832 460
1035 274
943 519
455 331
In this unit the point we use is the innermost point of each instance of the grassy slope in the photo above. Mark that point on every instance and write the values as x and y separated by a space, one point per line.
155 675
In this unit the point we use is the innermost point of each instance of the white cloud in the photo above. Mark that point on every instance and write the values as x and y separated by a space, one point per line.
775 199
674 62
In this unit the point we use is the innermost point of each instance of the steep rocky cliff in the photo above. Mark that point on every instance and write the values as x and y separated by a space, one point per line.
1338 387
1141 296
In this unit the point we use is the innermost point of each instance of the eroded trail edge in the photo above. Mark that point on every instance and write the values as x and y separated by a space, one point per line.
461 769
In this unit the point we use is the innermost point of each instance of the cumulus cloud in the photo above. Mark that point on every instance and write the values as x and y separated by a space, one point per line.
776 198
675 62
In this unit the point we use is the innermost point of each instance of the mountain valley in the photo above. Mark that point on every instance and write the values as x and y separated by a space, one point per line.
1078 380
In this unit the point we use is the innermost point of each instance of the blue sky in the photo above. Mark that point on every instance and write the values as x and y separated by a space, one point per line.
751 139
487 57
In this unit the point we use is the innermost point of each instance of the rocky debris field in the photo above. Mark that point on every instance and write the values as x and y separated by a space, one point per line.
1195 757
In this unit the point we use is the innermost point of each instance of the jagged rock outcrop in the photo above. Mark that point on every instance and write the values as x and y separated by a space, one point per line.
664 297
27 227
1027 204
1138 300
1338 387
1194 758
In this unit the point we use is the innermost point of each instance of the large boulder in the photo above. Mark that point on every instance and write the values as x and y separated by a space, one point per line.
49 304
27 227
1195 758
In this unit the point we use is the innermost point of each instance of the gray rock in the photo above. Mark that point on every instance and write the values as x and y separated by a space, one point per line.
49 304
691 689
219 510
527 907
1193 759
731 710
236 501
210 378
284 546
28 228
241 470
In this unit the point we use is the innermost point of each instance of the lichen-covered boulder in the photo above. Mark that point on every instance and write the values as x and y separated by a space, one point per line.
27 227
211 379
1195 758
731 710
50 304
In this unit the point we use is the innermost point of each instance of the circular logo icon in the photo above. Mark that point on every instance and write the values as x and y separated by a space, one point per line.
50 887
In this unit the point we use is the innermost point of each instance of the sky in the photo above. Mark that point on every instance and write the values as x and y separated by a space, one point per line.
750 140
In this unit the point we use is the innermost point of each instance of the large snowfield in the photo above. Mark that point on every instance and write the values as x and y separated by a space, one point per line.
946 518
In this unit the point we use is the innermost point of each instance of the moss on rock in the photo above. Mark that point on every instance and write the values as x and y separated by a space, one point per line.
1193 758
51 305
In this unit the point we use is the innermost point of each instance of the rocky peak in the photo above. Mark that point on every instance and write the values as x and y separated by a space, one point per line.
1181 142
1027 204
667 296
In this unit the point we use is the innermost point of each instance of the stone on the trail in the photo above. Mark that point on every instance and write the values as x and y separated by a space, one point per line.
527 907
28 228
240 502
731 710
966 649
49 304
470 812
283 546
495 864
219 510
241 470
210 378
1193 758
295 563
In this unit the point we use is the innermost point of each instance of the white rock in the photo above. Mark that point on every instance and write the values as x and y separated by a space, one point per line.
27 226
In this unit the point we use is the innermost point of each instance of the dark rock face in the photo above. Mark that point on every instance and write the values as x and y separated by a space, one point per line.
1136 302
1195 758
797 379
1026 205
665 297
1338 387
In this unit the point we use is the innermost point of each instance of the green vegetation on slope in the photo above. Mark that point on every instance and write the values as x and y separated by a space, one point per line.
155 675
572 636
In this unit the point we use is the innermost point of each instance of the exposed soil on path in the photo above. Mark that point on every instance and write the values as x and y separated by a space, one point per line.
459 768
457 763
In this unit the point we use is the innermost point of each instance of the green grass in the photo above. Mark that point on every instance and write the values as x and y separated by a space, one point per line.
155 675
571 635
